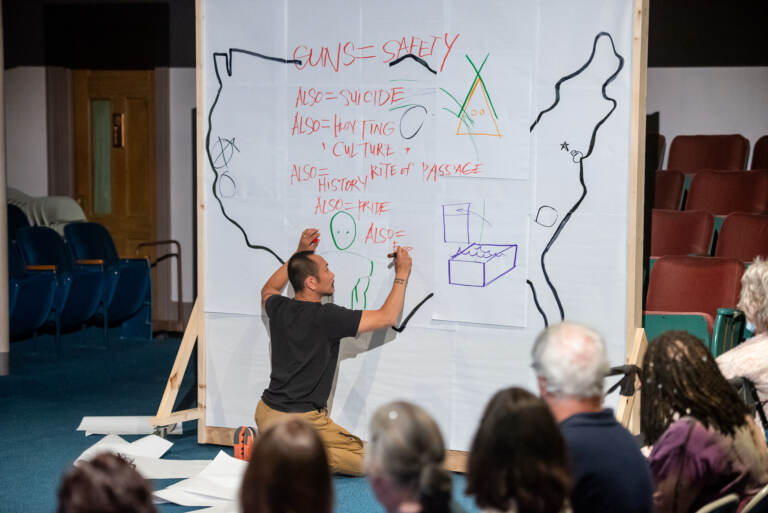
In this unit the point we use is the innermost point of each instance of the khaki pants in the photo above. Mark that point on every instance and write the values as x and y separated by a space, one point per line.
345 450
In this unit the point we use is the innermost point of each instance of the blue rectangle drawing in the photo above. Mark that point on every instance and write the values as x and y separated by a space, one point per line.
456 222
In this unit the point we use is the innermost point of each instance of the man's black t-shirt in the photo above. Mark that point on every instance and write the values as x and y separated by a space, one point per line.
305 349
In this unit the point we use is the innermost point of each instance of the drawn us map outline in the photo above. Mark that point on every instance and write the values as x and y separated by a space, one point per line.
216 165
550 285
213 161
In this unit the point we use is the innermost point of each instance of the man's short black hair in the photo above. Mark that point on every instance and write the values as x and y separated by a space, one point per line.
300 266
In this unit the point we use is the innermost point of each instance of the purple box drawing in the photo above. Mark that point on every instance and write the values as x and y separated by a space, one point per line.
456 222
479 265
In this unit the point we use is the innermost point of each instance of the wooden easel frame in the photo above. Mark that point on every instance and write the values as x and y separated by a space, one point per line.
455 460
629 408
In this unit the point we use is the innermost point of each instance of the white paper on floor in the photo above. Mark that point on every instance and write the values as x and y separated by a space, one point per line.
229 507
123 425
151 446
185 498
219 481
145 454
153 468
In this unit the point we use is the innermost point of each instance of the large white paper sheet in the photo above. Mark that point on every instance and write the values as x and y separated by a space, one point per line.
154 468
145 455
121 425
151 446
507 168
362 145
186 498
219 481
223 508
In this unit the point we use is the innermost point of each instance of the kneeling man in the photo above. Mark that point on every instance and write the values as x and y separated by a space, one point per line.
305 336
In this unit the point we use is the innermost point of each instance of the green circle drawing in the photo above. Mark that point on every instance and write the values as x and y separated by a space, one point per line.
346 234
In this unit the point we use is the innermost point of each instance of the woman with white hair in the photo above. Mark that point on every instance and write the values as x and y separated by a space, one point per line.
750 358
404 461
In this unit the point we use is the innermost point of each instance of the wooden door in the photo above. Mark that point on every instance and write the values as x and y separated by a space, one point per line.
114 118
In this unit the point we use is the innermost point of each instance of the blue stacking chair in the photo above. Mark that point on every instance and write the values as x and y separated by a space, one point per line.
31 296
127 288
16 219
79 294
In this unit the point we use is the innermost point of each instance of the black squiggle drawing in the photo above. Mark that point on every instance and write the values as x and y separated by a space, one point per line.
415 58
413 311
573 209
536 302
542 212
402 117
226 151
227 186
229 56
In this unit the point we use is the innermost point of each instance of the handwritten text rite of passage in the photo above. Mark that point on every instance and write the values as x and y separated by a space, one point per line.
346 53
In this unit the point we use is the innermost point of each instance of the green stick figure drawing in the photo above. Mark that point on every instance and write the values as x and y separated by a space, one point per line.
354 270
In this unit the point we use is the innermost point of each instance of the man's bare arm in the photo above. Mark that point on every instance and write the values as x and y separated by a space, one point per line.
385 316
279 279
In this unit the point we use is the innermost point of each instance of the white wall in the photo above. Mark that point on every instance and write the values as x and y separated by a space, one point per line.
26 140
710 101
181 102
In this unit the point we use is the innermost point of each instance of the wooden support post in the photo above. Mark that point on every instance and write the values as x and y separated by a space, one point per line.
204 433
635 334
628 411
165 414
637 172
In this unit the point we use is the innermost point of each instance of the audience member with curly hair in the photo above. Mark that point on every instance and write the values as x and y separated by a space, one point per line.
288 472
106 484
705 444
518 461
405 461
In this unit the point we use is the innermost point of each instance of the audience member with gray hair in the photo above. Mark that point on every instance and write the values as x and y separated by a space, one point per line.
750 358
405 459
608 470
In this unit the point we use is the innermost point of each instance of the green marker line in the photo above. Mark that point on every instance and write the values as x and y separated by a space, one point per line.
465 117
469 130
353 294
402 106
457 103
452 97
485 89
477 76
449 110
471 137
365 292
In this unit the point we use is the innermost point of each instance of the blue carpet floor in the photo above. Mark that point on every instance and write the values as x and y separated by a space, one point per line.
44 398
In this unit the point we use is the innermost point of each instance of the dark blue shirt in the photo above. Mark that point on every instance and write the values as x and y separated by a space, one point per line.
609 472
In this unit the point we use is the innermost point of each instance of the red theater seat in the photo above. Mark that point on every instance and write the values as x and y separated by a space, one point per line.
743 236
693 152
